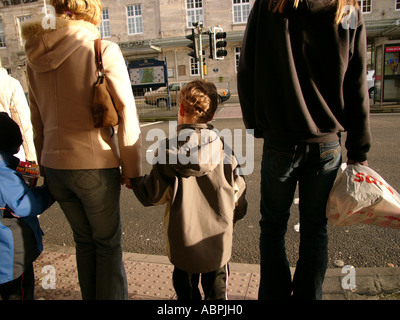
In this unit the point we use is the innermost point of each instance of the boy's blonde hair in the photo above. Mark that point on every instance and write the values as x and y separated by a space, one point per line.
279 5
88 10
199 98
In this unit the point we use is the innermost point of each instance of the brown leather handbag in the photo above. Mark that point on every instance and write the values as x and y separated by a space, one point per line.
103 107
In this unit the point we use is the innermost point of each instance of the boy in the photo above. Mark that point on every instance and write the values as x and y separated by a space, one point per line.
20 233
204 193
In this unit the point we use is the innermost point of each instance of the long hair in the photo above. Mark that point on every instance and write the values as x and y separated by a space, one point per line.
279 6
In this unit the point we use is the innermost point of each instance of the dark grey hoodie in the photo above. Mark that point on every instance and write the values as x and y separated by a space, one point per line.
302 76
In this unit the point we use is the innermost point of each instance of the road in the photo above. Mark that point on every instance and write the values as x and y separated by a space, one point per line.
359 245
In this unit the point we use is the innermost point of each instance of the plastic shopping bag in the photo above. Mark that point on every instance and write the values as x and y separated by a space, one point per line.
360 195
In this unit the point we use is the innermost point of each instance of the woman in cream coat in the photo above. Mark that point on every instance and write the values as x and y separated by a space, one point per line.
81 163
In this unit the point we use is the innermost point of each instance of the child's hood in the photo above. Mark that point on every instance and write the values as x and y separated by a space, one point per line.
195 151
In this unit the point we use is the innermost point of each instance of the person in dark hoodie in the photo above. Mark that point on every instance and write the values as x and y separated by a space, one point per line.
301 83
20 233
199 179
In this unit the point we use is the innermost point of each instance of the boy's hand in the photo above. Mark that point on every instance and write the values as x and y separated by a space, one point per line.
126 181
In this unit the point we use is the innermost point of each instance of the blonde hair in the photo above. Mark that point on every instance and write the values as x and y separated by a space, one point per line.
340 13
88 10
199 99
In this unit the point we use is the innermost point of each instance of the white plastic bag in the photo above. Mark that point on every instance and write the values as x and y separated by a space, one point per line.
360 195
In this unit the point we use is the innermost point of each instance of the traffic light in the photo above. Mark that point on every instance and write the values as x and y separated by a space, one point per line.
193 45
219 43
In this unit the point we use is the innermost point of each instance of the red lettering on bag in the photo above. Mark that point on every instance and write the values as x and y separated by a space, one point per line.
359 176
369 179
392 218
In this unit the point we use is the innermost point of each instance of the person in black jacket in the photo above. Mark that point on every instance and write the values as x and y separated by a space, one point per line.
301 83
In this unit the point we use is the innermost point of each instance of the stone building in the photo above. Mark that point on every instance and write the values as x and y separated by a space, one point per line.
157 29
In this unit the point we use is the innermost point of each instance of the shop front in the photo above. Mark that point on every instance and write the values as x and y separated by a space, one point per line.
387 73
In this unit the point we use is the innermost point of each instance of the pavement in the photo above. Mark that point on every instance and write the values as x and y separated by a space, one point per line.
150 277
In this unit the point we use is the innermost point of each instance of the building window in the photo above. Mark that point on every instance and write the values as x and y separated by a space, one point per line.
237 57
365 5
241 11
20 21
194 67
2 35
135 20
104 28
397 4
194 10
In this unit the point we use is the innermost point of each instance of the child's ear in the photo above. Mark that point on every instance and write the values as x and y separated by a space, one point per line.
181 110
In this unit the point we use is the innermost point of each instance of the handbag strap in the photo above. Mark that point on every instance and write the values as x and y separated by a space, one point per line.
99 58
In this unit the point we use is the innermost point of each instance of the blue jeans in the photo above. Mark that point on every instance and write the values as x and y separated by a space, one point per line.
314 167
90 201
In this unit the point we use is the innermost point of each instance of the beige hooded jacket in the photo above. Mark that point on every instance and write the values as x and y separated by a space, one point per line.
13 101
62 73
199 179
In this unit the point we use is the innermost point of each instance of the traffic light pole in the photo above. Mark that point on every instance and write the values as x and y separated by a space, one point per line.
199 32
217 45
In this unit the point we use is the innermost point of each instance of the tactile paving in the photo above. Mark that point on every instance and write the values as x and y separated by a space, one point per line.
242 286
65 277
151 280
146 280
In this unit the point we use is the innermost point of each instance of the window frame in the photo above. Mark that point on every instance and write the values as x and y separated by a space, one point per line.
105 24
237 58
194 71
134 18
2 34
189 20
365 4
240 7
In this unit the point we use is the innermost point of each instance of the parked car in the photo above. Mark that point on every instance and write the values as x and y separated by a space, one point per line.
159 97
371 83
